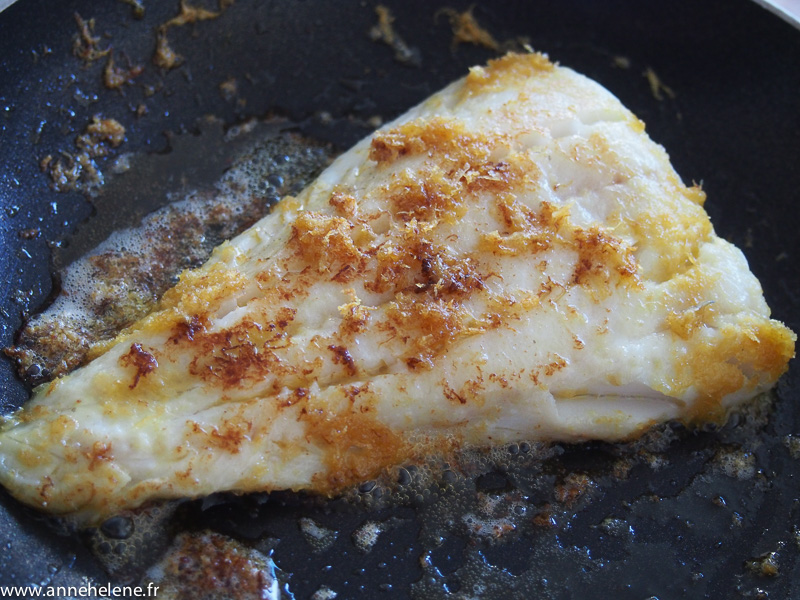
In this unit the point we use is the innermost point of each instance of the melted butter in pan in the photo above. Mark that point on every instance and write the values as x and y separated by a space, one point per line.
132 268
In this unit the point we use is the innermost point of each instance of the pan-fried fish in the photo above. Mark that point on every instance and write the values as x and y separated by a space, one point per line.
512 259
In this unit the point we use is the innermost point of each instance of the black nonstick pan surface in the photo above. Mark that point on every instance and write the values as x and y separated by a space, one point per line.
710 514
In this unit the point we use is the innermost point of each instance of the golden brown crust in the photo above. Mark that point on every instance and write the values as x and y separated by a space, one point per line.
502 71
357 447
726 366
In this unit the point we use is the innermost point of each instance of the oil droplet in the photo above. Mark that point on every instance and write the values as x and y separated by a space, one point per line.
119 528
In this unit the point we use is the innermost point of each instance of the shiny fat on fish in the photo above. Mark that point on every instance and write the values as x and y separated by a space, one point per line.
512 259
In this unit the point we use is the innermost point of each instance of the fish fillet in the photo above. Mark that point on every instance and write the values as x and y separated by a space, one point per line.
512 259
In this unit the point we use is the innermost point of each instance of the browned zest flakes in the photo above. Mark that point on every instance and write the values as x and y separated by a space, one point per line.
85 44
141 360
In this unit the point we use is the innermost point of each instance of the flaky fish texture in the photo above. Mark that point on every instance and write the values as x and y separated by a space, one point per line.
512 259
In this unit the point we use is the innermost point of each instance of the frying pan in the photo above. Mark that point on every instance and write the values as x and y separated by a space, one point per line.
712 514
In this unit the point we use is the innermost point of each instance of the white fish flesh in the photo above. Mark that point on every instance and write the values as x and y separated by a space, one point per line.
512 259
